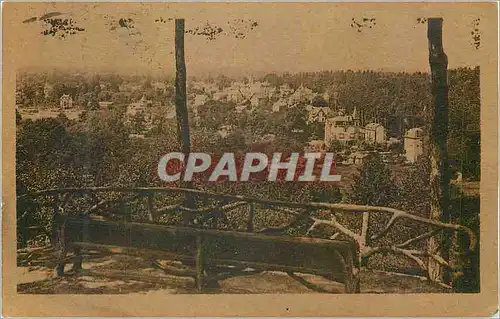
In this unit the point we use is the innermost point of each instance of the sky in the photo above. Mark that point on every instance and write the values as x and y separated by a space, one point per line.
289 37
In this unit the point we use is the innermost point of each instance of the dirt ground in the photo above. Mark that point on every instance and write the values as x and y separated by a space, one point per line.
35 273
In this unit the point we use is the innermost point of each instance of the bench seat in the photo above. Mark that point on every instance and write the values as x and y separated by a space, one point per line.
335 260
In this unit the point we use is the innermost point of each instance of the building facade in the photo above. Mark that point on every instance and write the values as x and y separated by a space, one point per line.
413 143
343 128
317 114
375 133
66 101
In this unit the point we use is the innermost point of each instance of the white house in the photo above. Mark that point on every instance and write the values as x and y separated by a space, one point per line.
66 101
343 128
200 99
225 130
302 95
413 144
145 102
315 146
375 133
159 86
220 96
47 90
356 158
134 108
105 104
278 105
317 114
285 90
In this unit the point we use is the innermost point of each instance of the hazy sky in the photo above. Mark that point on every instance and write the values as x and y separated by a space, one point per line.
289 37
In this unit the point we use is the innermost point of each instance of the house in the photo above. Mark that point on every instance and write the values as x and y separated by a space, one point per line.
268 138
159 86
220 96
47 90
244 106
234 95
375 133
134 108
285 90
129 87
207 88
257 100
326 96
315 146
317 114
343 128
225 130
145 102
413 143
302 95
105 104
356 158
200 99
66 101
278 105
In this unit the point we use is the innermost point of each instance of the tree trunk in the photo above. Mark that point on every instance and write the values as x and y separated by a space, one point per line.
181 109
438 133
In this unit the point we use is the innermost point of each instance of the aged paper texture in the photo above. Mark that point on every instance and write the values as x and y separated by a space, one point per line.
250 159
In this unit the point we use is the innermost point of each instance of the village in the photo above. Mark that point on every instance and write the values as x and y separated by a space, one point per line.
345 133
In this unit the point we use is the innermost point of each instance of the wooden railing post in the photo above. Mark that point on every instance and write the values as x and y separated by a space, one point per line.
364 233
151 208
56 219
199 262
250 217
124 210
58 239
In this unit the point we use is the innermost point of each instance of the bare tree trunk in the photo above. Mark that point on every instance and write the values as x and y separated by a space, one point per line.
439 176
181 109
364 235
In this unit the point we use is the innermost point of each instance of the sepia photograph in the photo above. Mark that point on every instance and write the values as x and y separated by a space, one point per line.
273 149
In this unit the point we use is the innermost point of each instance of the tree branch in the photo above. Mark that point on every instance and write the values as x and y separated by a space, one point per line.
384 231
338 226
419 237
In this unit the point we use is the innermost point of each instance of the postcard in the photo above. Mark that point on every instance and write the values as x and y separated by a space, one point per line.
250 159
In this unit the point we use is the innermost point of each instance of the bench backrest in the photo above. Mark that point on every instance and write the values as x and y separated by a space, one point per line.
310 254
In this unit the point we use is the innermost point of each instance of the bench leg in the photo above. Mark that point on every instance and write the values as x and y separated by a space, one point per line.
61 256
77 263
60 269
199 264
357 287
61 252
352 284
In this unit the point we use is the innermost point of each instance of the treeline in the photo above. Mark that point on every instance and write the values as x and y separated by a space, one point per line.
397 100
403 100
44 89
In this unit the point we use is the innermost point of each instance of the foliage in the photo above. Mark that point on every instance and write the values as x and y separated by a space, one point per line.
319 101
464 121
373 185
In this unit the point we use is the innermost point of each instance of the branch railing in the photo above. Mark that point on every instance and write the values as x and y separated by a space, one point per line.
313 214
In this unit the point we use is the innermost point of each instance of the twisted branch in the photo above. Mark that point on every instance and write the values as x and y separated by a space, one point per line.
290 208
337 225
104 203
418 238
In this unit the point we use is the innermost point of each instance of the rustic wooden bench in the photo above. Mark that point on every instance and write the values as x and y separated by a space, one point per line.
335 260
